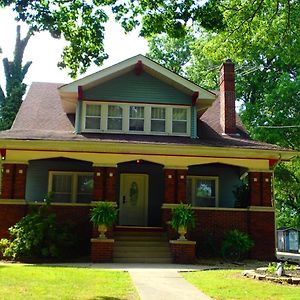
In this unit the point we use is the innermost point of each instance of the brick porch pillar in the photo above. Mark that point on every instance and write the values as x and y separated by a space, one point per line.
255 188
98 192
266 182
110 184
7 184
181 186
170 186
20 181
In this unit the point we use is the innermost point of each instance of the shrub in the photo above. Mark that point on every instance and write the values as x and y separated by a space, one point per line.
38 235
104 213
235 245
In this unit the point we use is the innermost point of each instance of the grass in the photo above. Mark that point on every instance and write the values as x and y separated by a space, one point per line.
230 284
35 282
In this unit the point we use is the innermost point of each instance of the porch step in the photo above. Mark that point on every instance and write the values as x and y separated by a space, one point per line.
141 247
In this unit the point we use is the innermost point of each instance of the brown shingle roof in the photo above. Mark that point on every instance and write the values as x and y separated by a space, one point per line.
41 117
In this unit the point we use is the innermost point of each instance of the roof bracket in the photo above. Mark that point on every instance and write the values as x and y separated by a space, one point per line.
139 68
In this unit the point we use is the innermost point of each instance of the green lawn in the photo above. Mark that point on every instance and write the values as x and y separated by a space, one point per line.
230 284
34 282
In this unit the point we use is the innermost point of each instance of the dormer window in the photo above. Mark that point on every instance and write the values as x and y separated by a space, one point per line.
114 117
93 117
158 119
153 119
136 118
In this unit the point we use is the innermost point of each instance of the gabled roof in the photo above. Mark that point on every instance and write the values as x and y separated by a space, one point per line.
69 92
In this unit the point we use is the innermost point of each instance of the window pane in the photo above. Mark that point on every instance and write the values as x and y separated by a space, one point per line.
180 114
179 126
92 123
205 192
136 112
158 113
114 124
115 111
93 110
85 184
136 125
62 188
158 126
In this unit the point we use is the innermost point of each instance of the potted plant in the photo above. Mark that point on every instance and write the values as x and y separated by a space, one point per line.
182 218
103 215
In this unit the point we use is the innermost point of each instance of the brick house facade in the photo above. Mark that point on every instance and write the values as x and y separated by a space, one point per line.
145 141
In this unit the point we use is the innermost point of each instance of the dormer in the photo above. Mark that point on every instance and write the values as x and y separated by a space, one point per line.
136 96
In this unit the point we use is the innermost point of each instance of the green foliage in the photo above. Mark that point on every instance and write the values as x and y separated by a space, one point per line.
173 53
183 215
236 242
38 235
272 266
15 72
104 213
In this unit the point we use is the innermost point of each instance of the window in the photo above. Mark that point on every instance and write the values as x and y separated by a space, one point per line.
154 119
136 118
71 187
202 191
158 119
114 117
179 120
93 116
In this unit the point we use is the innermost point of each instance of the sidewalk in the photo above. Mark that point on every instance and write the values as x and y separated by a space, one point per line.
164 284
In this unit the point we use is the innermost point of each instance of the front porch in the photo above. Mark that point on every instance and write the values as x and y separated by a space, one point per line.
145 193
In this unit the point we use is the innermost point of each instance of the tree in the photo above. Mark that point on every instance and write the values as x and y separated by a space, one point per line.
268 84
81 22
173 53
15 88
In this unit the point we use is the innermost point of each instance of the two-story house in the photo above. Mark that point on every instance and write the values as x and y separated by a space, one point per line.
145 138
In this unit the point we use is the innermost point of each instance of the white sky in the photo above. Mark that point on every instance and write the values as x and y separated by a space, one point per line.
44 51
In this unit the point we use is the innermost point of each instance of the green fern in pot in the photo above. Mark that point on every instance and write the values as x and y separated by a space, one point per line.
183 218
103 215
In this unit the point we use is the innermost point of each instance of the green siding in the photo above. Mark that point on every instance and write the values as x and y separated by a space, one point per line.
132 88
193 122
37 175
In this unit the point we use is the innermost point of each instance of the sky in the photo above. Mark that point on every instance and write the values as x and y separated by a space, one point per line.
45 52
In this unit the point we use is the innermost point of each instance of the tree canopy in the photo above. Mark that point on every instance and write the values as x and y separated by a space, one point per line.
81 22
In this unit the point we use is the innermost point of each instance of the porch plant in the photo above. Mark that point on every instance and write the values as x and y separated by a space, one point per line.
103 215
182 219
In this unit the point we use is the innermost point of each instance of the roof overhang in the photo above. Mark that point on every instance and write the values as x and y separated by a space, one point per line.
69 92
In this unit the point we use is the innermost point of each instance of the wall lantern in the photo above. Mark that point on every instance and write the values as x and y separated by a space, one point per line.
3 154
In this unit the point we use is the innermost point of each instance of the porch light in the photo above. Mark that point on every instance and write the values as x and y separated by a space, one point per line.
21 171
98 174
255 179
181 176
111 174
267 179
170 176
137 161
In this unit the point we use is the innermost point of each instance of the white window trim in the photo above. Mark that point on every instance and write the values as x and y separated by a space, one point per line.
147 118
215 178
74 181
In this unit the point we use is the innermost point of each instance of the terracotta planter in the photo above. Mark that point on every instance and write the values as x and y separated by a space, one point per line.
182 232
102 228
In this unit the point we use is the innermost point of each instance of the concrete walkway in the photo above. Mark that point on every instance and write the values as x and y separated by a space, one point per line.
164 284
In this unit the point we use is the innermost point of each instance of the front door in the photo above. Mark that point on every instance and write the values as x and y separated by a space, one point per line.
133 199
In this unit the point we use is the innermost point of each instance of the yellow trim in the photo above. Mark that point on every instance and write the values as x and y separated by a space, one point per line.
97 240
13 201
250 208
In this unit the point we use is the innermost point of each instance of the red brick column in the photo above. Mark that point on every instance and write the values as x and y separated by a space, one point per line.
181 186
110 184
170 185
266 183
255 188
20 181
99 175
102 250
183 252
7 186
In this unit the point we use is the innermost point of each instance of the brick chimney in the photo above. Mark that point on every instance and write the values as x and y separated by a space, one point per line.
227 98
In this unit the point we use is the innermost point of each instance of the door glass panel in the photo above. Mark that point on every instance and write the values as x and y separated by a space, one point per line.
134 193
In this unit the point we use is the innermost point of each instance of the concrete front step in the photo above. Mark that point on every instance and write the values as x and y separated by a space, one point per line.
152 260
141 247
